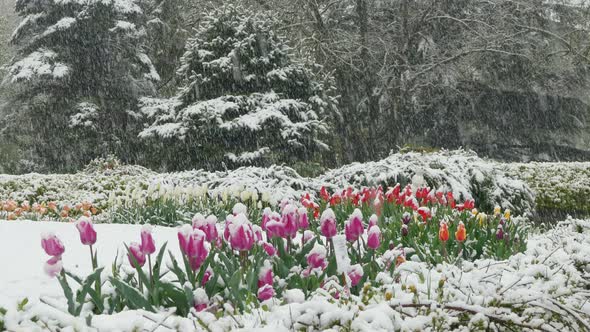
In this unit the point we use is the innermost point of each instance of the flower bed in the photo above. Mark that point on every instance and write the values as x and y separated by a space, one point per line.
546 288
330 245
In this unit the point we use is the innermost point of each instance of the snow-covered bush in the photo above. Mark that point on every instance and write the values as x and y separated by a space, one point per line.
242 100
106 183
462 172
560 188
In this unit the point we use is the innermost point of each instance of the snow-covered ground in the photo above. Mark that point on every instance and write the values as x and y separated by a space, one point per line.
547 288
22 256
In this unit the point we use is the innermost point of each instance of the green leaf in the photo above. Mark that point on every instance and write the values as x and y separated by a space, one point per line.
22 304
158 264
133 298
177 296
176 269
67 293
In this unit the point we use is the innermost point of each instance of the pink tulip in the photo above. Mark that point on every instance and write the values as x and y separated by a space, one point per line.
53 266
265 275
374 237
240 233
289 219
87 232
354 226
317 257
206 277
275 228
148 246
265 217
328 223
266 292
270 250
184 234
355 274
136 253
308 236
52 245
197 249
257 233
207 225
303 220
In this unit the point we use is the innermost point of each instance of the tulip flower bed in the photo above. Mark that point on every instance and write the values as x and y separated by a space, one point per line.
545 288
306 246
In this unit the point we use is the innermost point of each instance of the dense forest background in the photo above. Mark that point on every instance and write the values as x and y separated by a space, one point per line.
179 84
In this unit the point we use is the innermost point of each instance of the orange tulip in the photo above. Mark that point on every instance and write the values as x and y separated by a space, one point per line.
443 232
461 233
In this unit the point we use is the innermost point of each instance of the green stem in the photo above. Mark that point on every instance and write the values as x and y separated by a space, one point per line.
150 270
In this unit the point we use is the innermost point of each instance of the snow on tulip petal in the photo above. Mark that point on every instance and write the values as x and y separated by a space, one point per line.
266 292
265 276
184 233
308 236
240 233
86 229
303 220
289 219
200 299
269 248
52 245
316 258
328 223
53 266
374 237
355 274
354 226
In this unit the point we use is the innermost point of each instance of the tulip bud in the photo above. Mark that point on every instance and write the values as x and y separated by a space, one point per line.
266 292
184 233
328 223
265 275
316 258
354 226
135 255
500 233
374 237
87 232
148 246
405 230
52 245
303 220
355 274
406 218
240 233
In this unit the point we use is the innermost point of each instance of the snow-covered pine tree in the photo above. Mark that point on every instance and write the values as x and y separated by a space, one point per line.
80 71
243 100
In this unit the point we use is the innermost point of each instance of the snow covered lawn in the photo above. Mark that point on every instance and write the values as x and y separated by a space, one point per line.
547 288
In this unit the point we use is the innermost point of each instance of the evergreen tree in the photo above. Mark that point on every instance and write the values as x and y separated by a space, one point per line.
80 70
242 99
